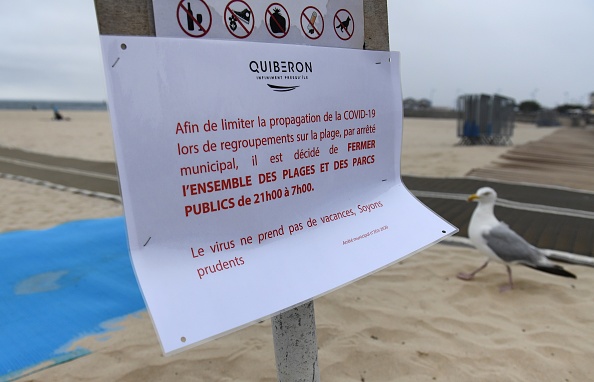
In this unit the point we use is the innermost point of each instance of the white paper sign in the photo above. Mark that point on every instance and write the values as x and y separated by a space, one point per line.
256 176
337 23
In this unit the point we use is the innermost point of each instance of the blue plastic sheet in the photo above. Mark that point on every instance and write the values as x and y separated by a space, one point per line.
59 285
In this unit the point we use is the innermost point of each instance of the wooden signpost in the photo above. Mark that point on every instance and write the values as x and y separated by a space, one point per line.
294 330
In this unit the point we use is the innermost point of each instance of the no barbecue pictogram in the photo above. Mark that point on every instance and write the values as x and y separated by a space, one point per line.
344 26
312 23
239 18
277 20
194 20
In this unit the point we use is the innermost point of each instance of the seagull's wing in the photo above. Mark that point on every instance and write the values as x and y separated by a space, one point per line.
512 248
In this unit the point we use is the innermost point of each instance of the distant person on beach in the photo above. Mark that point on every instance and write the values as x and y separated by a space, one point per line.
58 116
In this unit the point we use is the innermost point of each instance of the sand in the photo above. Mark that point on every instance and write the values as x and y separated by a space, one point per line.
414 321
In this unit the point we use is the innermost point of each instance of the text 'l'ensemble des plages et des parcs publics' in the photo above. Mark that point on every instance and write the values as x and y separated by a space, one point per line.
353 144
211 145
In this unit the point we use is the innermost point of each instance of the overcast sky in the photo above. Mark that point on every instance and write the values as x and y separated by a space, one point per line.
49 50
524 49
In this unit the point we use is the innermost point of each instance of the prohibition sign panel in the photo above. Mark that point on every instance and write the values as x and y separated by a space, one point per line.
344 26
238 18
277 20
312 23
194 22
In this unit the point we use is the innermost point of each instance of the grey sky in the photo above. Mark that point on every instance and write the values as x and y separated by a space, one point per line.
519 48
49 50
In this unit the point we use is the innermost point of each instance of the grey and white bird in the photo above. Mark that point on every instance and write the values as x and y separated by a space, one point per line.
499 243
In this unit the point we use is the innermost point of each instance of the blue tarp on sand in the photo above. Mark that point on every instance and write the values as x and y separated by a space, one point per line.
58 285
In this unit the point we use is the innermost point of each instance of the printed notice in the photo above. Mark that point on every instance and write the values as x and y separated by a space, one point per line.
256 176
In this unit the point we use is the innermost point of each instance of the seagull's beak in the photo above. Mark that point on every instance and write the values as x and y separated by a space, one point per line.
473 197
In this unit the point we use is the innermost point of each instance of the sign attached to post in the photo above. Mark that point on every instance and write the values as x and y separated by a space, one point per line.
256 176
285 22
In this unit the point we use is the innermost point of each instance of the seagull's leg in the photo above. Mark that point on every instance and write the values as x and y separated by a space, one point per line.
509 286
470 276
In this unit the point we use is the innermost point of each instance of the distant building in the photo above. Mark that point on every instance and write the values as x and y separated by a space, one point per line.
409 104
413 104
424 103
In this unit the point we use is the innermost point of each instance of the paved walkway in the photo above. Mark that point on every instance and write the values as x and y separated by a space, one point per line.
98 177
552 217
563 158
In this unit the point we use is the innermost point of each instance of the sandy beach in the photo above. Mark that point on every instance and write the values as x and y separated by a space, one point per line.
414 321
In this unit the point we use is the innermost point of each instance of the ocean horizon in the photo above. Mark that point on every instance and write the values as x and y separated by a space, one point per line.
49 105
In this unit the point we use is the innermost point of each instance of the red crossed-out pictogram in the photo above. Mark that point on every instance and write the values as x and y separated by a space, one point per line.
312 23
277 20
344 25
239 18
194 21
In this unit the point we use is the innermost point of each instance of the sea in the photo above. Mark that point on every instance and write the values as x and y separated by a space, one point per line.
50 105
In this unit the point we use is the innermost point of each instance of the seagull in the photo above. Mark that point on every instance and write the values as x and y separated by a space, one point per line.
499 243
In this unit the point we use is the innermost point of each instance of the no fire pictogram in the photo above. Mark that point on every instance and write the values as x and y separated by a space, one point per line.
239 18
195 20
312 23
344 25
277 20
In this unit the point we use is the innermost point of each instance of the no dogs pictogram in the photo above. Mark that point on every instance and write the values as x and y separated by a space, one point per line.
344 26
239 18
312 23
194 21
277 20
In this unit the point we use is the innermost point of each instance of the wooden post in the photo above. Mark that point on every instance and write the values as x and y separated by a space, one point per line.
296 344
376 35
294 331
125 18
